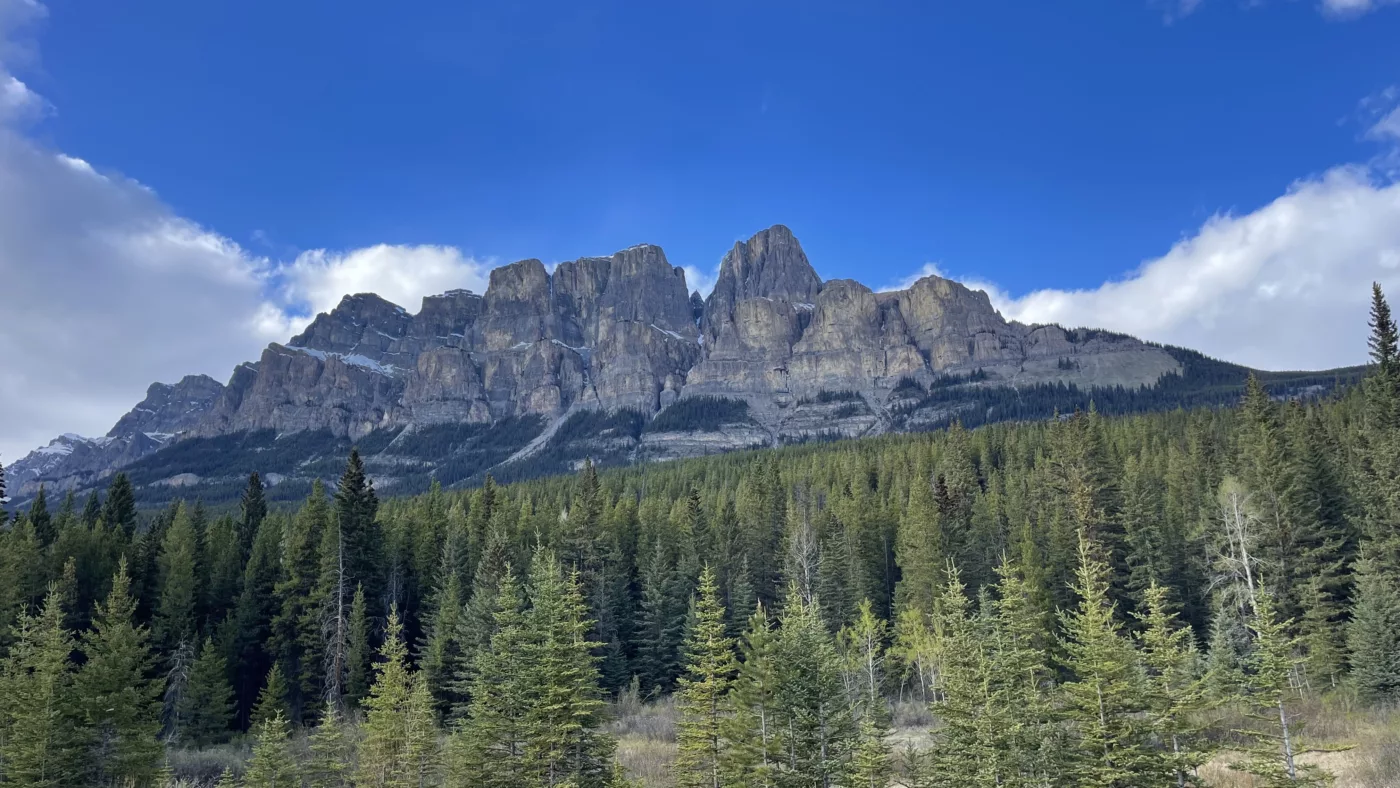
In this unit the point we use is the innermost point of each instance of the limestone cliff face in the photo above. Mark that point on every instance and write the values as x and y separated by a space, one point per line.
809 357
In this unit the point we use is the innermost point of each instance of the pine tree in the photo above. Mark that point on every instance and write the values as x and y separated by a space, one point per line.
564 709
441 652
356 507
272 699
710 668
223 564
119 510
810 700
40 743
1268 692
751 729
119 699
1176 694
863 644
252 616
478 622
919 548
662 623
331 753
1374 635
272 764
400 741
357 650
206 707
252 509
41 520
295 631
488 747
1108 694
175 608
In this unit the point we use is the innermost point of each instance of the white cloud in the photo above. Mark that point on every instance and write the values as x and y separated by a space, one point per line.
696 279
318 279
1283 287
1352 8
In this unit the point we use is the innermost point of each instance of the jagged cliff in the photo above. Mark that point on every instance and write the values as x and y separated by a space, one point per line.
623 333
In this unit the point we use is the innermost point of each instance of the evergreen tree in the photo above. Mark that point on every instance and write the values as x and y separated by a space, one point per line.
864 651
252 510
488 747
357 650
331 753
810 700
1176 695
355 508
752 729
272 699
1374 635
40 742
1272 756
175 609
39 518
919 548
252 616
119 510
206 707
272 764
1107 696
119 699
710 668
296 632
400 741
223 563
662 624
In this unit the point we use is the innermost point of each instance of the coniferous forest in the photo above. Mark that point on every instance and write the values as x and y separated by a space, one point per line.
1109 602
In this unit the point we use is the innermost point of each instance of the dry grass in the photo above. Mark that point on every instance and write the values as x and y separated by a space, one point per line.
646 738
1360 747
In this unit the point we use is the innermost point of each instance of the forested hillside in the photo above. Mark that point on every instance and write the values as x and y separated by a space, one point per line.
1089 600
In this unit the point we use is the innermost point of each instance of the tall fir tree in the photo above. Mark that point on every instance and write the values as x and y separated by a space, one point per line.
273 764
700 699
119 697
1374 635
40 740
40 518
206 707
119 510
355 509
1176 690
357 650
399 749
1108 694
752 728
252 508
810 700
176 607
295 630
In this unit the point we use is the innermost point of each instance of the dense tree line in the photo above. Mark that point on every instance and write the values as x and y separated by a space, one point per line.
1071 597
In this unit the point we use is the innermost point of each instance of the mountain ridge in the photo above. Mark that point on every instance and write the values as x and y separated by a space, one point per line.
773 355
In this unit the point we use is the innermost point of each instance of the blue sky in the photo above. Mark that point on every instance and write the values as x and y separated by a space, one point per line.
1035 144
180 183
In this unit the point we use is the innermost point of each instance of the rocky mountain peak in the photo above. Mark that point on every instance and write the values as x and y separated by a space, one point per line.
356 318
170 408
771 264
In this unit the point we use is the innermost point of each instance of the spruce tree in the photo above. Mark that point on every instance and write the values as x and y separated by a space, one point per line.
296 632
488 747
1273 753
810 700
662 624
863 644
40 518
400 741
357 650
752 729
331 753
40 740
1374 635
441 652
252 616
223 565
252 510
919 548
206 707
179 594
355 508
272 764
119 510
1177 693
710 668
119 698
1107 696
272 699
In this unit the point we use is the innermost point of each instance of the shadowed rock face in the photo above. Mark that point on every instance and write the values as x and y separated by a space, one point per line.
625 332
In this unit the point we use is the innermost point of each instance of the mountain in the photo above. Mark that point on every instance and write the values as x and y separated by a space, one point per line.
614 358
